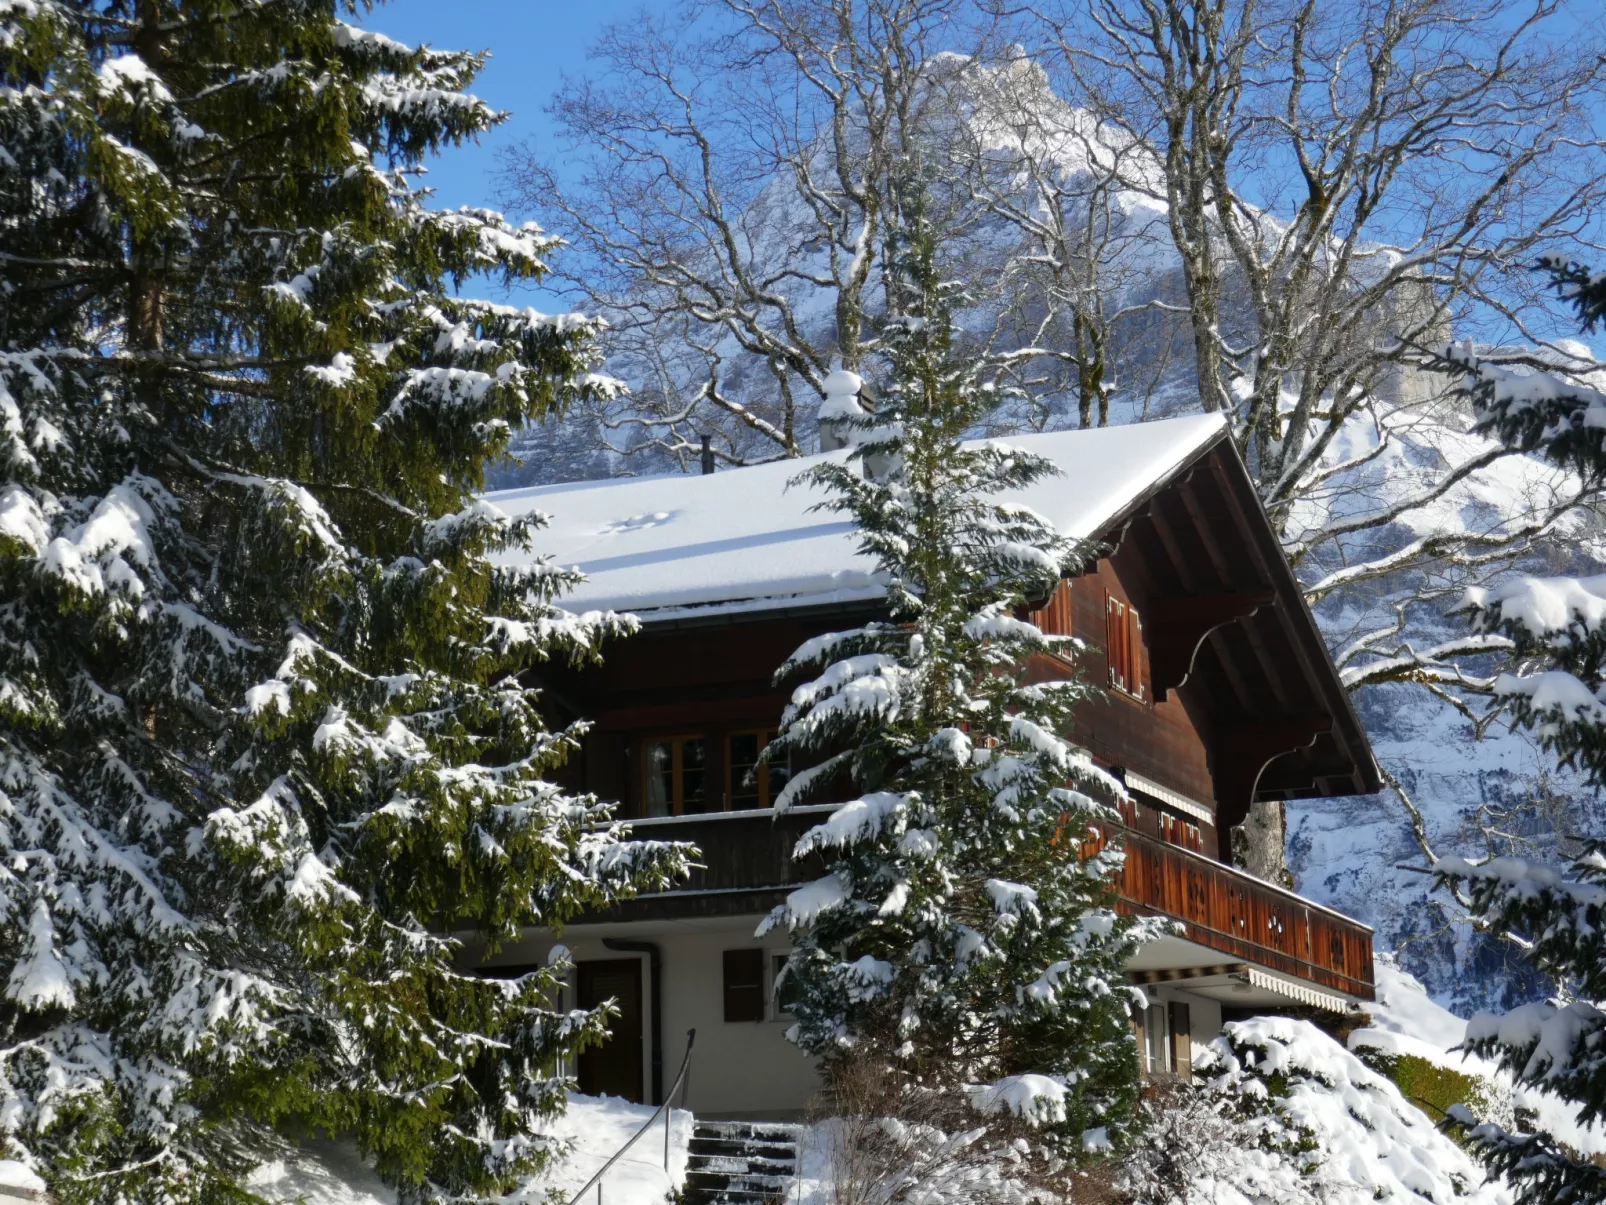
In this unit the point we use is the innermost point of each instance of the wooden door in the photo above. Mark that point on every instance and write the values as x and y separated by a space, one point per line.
614 1068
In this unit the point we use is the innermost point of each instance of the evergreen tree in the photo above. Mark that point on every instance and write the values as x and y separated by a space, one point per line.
965 931
1556 687
264 742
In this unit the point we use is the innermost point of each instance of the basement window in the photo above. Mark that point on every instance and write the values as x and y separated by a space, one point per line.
676 781
744 985
1123 647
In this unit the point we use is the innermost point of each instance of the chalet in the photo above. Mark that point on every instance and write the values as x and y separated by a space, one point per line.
1218 691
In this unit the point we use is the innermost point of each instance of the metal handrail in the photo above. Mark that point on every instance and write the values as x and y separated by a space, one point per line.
678 1086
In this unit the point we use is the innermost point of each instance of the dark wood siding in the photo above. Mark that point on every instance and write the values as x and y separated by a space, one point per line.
1163 741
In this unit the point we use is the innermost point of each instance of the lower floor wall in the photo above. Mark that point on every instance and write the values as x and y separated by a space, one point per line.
741 1068
1173 1029
717 978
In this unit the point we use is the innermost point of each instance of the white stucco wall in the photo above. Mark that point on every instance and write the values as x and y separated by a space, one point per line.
1204 1014
738 1069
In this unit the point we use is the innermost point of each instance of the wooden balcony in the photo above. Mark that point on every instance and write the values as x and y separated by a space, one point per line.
1244 917
747 868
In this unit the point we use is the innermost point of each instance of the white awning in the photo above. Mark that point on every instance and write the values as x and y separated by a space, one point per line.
1301 992
1189 807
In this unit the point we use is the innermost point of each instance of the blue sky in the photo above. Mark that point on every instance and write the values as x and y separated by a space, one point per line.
531 43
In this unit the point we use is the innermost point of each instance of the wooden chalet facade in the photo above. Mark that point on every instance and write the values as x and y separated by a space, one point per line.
1218 691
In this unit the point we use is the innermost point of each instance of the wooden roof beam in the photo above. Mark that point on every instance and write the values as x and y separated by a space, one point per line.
1177 628
1309 649
1242 755
1165 532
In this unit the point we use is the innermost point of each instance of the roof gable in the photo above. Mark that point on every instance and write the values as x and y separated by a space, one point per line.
743 541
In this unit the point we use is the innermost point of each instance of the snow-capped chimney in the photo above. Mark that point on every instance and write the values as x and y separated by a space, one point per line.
839 409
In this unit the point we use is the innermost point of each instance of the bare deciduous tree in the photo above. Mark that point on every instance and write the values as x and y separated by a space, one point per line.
740 190
1345 185
740 161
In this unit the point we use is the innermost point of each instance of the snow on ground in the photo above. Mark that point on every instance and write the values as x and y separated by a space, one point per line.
1372 1144
1407 1021
326 1172
599 1126
19 1179
333 1173
813 1183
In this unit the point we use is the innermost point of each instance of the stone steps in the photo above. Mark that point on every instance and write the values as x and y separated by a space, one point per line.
740 1163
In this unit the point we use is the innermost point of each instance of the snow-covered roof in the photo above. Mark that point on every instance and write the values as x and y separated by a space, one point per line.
742 540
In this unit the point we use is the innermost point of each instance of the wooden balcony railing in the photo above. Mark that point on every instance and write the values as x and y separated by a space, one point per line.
747 867
1245 917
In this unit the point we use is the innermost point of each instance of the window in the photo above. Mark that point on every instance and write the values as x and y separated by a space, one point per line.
1177 831
1165 1041
783 991
676 782
1055 617
1123 645
744 985
1157 1040
748 784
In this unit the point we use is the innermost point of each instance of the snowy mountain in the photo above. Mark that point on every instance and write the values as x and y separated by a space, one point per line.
1359 854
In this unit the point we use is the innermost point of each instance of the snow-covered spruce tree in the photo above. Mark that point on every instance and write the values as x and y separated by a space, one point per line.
1556 687
264 745
965 931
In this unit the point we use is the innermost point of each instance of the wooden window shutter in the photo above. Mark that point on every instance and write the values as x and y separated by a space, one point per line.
1123 642
1141 1037
1055 617
1134 652
744 985
1181 1040
1115 639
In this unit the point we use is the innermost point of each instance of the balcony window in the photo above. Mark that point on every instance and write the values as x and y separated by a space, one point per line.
675 769
751 785
1177 831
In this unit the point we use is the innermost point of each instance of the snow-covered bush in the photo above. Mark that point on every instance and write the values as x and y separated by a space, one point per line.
965 930
886 1137
264 743
1198 1144
1284 1115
